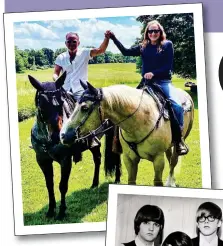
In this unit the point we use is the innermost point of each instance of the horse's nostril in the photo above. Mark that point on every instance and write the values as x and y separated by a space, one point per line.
62 135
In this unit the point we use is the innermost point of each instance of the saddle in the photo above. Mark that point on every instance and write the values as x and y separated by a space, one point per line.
156 93
165 107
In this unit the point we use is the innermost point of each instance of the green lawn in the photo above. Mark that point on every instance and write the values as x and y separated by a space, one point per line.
85 204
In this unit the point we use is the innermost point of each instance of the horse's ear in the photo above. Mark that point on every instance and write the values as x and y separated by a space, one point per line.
83 85
35 83
60 81
92 89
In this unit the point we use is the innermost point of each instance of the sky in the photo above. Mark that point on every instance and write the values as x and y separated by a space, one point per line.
51 33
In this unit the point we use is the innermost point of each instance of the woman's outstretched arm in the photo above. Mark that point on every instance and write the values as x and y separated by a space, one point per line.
134 51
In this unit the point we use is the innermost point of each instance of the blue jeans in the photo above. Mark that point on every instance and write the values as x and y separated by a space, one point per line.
173 95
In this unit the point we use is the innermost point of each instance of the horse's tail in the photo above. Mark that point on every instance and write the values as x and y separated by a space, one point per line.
112 152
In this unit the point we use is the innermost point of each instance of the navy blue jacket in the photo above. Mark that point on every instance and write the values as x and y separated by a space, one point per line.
157 61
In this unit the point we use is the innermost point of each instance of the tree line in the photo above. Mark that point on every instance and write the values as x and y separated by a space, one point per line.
178 27
44 58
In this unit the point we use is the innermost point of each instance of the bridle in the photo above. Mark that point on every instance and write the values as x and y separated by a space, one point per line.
64 96
56 101
96 99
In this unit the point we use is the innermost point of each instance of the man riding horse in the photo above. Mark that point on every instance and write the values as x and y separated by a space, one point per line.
75 62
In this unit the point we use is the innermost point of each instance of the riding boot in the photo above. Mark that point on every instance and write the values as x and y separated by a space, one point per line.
181 147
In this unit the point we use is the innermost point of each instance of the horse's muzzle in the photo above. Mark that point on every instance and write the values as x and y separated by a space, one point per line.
69 137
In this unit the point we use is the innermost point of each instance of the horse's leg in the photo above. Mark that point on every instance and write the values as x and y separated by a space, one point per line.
172 157
132 168
65 174
46 165
158 165
118 169
97 162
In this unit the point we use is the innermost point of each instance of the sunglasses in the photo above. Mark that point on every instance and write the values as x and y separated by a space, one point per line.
155 31
210 218
71 41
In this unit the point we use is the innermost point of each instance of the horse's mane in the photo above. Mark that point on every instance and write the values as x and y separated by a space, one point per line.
117 95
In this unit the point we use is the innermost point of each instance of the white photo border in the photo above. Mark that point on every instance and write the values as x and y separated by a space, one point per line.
11 18
115 190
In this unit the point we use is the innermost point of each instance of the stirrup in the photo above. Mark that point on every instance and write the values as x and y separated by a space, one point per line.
182 148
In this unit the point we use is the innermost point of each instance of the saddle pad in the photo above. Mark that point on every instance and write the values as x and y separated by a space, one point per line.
159 99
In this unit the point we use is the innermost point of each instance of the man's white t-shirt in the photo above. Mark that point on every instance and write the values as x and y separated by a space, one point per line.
76 71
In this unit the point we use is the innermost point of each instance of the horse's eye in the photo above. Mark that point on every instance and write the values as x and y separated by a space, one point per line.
84 108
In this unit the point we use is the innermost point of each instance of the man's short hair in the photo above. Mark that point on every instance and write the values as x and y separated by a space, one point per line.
72 33
209 208
148 213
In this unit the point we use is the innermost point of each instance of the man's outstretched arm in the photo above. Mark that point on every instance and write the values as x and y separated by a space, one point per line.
102 48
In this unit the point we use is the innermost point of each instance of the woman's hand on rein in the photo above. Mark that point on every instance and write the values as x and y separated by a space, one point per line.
148 75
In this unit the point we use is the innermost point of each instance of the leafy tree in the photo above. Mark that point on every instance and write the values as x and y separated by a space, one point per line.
19 63
40 58
31 60
49 55
100 58
59 51
108 57
119 58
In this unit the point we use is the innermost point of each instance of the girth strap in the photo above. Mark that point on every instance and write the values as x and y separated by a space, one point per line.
133 145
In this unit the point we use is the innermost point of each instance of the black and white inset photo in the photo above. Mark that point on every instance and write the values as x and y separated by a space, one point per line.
164 216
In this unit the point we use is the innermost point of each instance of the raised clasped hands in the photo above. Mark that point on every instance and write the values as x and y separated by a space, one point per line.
109 34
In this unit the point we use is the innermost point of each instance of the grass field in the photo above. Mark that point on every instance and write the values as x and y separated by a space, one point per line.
85 204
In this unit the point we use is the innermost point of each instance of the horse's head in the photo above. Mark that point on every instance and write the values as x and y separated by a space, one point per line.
87 115
49 100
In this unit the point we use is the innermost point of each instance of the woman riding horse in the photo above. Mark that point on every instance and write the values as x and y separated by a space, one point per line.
157 61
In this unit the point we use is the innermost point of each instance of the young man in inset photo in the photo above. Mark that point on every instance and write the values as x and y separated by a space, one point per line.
209 220
148 225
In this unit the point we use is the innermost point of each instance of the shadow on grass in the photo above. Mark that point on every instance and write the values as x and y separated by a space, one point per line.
79 204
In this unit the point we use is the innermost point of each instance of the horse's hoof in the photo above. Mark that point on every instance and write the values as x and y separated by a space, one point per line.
158 183
50 214
117 182
61 216
94 186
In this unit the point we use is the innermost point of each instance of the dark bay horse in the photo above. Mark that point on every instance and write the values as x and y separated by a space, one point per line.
144 133
54 106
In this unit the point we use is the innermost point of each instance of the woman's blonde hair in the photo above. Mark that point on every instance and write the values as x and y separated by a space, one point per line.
162 37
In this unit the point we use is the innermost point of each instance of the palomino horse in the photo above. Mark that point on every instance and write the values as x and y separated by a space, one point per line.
144 133
54 105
